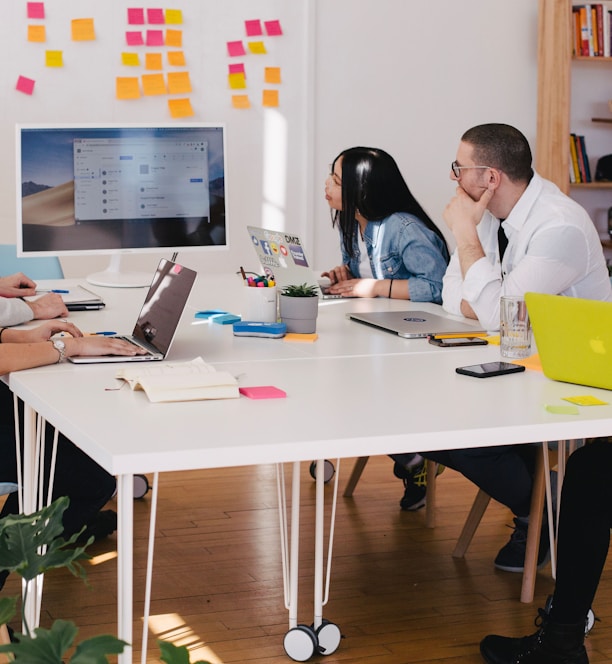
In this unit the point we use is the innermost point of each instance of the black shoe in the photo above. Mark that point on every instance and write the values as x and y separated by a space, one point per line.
415 484
511 557
551 644
101 526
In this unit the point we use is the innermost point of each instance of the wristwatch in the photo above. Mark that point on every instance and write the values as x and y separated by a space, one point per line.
60 347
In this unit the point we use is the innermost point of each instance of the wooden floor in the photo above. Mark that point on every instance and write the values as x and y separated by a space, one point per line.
397 594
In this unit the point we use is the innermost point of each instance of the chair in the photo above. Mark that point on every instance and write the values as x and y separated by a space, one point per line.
43 267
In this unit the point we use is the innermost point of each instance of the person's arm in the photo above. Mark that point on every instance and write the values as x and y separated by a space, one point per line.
17 285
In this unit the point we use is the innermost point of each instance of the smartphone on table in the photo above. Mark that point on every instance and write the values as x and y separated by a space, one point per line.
456 342
488 369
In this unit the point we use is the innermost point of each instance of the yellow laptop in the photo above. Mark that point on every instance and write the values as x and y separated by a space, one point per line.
574 338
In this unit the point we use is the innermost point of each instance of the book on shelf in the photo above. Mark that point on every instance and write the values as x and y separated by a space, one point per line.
574 170
180 381
592 29
580 170
586 172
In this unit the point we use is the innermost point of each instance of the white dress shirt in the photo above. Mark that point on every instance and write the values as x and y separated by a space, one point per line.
553 247
14 311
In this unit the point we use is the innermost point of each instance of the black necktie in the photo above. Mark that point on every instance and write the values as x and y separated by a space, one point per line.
502 240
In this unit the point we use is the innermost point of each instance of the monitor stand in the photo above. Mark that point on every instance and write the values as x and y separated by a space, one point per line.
113 277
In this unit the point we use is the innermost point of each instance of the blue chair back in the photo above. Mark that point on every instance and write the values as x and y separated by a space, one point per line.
43 267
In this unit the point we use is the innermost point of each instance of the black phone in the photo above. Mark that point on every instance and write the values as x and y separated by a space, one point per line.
490 369
455 342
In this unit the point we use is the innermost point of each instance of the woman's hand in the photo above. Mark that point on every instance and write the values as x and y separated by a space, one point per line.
43 332
99 345
360 288
338 274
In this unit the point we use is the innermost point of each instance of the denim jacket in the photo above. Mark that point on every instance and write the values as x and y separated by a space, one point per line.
402 247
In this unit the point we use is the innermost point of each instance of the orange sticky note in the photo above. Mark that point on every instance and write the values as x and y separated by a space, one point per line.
241 101
179 82
174 38
127 87
83 29
176 58
272 75
130 59
54 58
153 61
174 16
293 336
236 81
37 33
180 108
257 47
269 98
153 84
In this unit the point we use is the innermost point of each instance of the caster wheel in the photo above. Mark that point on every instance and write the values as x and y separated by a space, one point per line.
329 637
141 486
328 471
590 621
300 643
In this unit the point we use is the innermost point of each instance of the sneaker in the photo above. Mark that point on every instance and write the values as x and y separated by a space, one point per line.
511 557
101 526
415 485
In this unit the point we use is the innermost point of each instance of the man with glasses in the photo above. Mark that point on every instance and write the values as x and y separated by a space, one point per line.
551 246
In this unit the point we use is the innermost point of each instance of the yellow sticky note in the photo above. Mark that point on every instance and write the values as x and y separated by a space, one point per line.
586 400
270 98
241 101
174 38
54 58
130 59
153 61
37 33
127 87
180 108
257 47
237 81
562 410
153 84
176 58
83 29
174 16
272 75
179 82
493 339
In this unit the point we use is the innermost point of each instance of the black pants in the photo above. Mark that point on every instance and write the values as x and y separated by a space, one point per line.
88 486
584 531
505 472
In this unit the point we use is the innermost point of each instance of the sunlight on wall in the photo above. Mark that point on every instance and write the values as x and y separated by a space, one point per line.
171 627
275 170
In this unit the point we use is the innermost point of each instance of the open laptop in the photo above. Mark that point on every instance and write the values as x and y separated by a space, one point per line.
159 317
415 324
282 255
573 337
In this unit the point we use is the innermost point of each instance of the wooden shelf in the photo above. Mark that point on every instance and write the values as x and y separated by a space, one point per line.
592 185
607 120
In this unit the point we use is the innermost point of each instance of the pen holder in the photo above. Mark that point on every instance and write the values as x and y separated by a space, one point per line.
260 304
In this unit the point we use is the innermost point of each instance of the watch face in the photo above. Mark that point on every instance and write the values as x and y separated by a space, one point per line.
59 344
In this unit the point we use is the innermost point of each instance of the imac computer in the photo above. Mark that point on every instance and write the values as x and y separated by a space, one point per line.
120 189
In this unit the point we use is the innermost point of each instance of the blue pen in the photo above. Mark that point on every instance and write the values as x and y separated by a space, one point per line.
106 334
54 290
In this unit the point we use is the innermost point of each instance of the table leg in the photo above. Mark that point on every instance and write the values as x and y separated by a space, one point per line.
125 563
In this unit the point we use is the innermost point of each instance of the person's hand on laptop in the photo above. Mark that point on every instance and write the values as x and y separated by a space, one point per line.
360 288
338 274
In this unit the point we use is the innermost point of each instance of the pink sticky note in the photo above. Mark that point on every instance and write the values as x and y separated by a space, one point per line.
273 28
25 85
237 68
135 15
156 16
36 9
262 392
155 38
253 28
235 48
134 38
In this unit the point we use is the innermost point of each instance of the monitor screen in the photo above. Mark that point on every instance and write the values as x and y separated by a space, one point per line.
113 189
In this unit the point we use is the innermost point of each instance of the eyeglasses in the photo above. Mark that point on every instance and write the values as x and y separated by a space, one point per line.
456 169
335 180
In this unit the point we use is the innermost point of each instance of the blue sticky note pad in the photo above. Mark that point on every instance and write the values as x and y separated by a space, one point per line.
225 319
209 313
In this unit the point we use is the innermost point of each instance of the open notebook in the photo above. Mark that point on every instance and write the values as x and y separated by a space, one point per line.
159 317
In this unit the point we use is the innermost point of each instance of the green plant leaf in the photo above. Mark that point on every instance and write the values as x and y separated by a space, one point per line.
94 650
172 654
8 608
22 536
46 647
300 290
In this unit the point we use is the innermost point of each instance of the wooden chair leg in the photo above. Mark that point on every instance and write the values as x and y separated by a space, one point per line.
4 640
479 507
360 464
430 505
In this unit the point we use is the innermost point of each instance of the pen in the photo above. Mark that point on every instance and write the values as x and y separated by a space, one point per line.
103 334
243 273
54 290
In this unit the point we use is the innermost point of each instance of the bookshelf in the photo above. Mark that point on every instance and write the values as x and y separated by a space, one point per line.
572 96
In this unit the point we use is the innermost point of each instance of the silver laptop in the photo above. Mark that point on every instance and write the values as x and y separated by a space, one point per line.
282 256
159 317
415 324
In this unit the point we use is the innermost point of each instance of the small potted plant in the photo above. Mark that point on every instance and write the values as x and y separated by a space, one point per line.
299 307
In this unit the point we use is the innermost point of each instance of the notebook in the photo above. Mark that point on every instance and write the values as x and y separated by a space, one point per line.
573 337
415 324
159 317
282 255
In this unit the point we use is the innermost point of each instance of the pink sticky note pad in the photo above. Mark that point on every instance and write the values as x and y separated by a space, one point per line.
253 28
25 85
262 392
235 48
273 28
36 9
135 15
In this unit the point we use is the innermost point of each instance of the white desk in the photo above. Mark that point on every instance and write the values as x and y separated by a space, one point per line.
355 392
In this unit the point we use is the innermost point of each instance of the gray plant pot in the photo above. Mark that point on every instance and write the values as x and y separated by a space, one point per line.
299 313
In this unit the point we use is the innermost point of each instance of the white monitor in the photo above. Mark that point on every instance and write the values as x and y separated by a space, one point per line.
117 189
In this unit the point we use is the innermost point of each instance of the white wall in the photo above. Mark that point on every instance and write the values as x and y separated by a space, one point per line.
403 75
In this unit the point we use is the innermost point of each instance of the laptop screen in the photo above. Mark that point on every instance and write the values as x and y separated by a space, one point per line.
160 314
